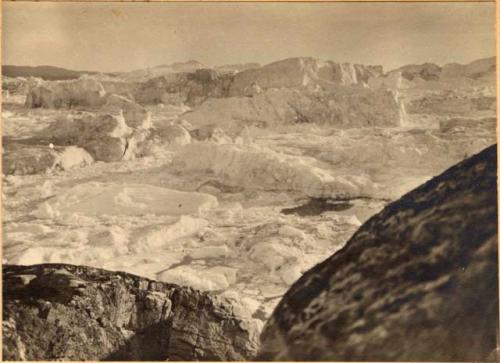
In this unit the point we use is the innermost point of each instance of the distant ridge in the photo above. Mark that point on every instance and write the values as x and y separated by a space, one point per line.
44 72
480 68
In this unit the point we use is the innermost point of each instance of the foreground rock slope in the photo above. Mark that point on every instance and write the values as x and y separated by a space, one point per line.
66 312
417 282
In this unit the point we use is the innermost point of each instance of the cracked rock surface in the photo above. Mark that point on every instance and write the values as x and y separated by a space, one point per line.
67 312
417 282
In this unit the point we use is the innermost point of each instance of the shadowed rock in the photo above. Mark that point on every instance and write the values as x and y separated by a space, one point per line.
190 88
19 159
85 91
134 114
417 282
65 312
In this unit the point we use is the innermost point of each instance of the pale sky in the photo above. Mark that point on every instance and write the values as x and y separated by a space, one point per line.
126 36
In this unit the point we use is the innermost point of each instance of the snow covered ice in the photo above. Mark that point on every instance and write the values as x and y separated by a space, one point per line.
237 193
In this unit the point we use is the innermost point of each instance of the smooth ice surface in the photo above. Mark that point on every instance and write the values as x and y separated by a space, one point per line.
129 199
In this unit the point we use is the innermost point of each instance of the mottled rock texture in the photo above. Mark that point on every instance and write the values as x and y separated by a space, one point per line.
19 159
67 312
468 124
417 282
85 91
16 85
190 88
134 114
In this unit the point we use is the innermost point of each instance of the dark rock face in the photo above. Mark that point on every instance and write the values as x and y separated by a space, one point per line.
417 282
450 103
19 159
14 85
190 88
70 312
427 71
488 124
86 92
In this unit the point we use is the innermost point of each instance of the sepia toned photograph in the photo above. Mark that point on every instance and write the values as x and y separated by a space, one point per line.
249 181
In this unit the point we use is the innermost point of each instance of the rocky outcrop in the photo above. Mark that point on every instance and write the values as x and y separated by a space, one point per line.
134 114
103 136
16 85
210 133
193 88
450 102
65 312
190 88
26 159
85 91
461 124
451 90
481 69
426 71
19 159
86 137
417 282
171 135
77 141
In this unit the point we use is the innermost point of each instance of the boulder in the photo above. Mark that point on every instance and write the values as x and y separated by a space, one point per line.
450 102
426 72
66 312
210 133
417 282
103 136
14 85
190 88
134 114
171 135
106 148
26 159
85 91
158 141
20 159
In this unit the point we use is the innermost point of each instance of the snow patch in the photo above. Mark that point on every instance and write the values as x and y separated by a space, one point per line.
206 280
73 157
